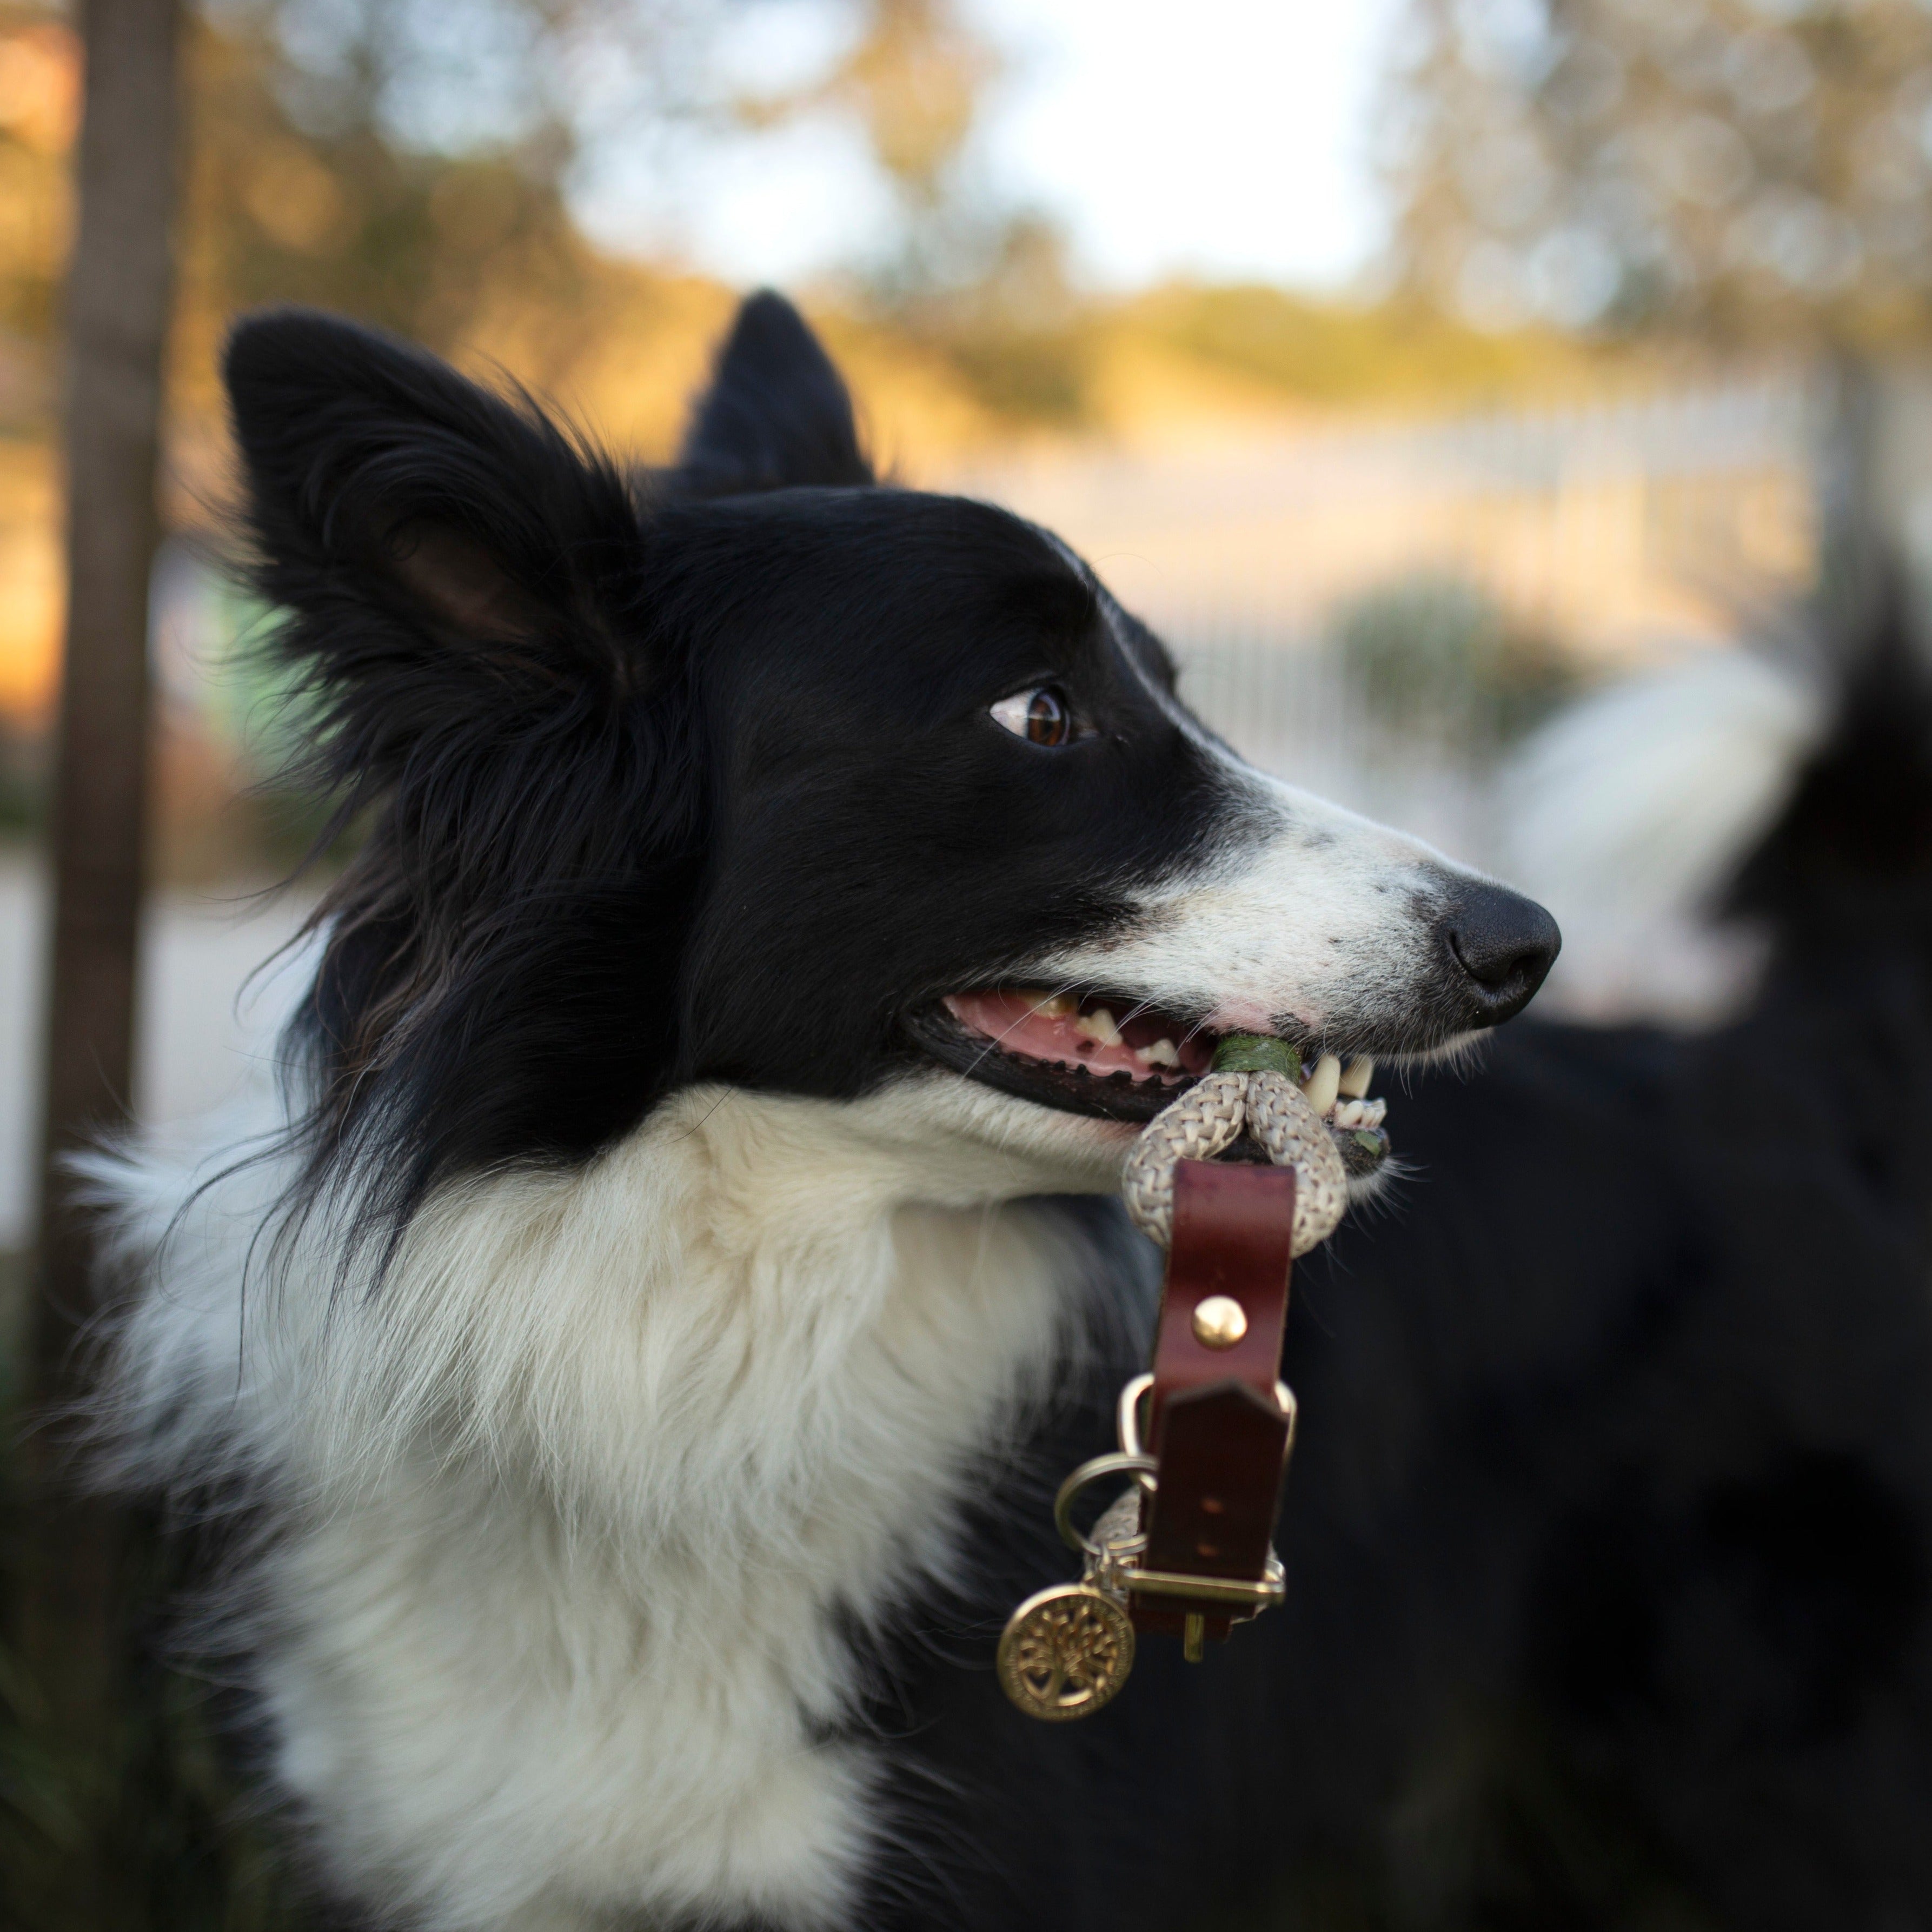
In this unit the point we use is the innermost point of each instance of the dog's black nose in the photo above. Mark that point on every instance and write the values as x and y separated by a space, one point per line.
1503 946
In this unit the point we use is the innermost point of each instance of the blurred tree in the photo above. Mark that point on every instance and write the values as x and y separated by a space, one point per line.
410 160
117 303
983 282
1749 171
407 161
916 77
40 97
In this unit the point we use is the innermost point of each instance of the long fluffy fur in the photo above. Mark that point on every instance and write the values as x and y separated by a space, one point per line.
566 1509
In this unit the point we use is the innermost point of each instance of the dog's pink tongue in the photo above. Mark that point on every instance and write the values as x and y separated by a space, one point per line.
1016 1023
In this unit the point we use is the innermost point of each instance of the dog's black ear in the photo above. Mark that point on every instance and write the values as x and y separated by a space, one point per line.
461 587
442 553
777 414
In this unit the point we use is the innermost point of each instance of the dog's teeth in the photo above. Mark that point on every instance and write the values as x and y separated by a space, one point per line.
1323 1083
1098 1025
1355 1077
1348 1113
1374 1112
1162 1053
1056 1005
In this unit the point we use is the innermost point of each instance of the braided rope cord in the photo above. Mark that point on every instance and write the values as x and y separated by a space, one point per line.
1208 1119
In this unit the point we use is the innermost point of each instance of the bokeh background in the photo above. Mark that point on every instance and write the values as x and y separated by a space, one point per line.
1414 366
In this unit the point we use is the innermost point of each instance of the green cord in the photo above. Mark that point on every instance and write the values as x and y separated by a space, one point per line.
1256 1053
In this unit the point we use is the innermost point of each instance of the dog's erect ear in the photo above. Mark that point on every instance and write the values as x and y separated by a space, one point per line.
777 414
429 538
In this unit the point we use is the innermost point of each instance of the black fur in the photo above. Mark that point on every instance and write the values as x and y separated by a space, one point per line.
1610 1530
777 414
630 751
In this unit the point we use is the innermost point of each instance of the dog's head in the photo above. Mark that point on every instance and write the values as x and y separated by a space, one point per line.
757 771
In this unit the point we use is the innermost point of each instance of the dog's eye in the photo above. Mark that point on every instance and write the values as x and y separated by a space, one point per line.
1041 716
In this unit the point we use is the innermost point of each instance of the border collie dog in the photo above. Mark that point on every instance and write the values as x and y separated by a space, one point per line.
634 1348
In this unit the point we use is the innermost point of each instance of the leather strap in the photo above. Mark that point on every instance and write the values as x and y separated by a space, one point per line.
1215 1426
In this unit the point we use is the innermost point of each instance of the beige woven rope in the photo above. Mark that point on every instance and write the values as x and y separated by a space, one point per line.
1209 1118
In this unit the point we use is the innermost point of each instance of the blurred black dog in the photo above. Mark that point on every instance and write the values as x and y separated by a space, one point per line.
645 1330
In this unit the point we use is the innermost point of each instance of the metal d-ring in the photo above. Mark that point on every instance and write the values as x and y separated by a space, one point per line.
1129 1421
1115 1463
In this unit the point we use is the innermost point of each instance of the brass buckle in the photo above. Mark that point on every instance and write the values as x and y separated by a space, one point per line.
1240 1592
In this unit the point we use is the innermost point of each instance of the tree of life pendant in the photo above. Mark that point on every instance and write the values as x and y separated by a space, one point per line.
1065 1652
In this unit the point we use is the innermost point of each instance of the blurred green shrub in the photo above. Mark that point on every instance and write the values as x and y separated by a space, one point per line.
1435 658
23 777
193 1848
260 723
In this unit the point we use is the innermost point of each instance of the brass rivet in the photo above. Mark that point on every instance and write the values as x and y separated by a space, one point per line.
1219 1321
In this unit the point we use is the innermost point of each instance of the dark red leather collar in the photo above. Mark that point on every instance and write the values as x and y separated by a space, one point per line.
1215 1423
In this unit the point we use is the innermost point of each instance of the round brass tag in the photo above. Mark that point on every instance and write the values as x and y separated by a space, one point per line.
1065 1652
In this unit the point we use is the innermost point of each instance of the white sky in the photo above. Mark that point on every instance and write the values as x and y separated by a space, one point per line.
1229 138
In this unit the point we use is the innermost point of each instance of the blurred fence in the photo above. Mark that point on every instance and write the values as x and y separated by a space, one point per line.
1291 705
1612 525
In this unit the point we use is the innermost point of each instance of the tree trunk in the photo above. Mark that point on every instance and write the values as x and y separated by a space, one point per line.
118 289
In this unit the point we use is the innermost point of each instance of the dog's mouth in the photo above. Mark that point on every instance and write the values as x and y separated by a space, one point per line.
1112 1057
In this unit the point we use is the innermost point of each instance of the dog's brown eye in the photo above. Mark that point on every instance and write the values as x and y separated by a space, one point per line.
1041 715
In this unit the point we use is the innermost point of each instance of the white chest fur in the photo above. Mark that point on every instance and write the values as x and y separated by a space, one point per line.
576 1502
